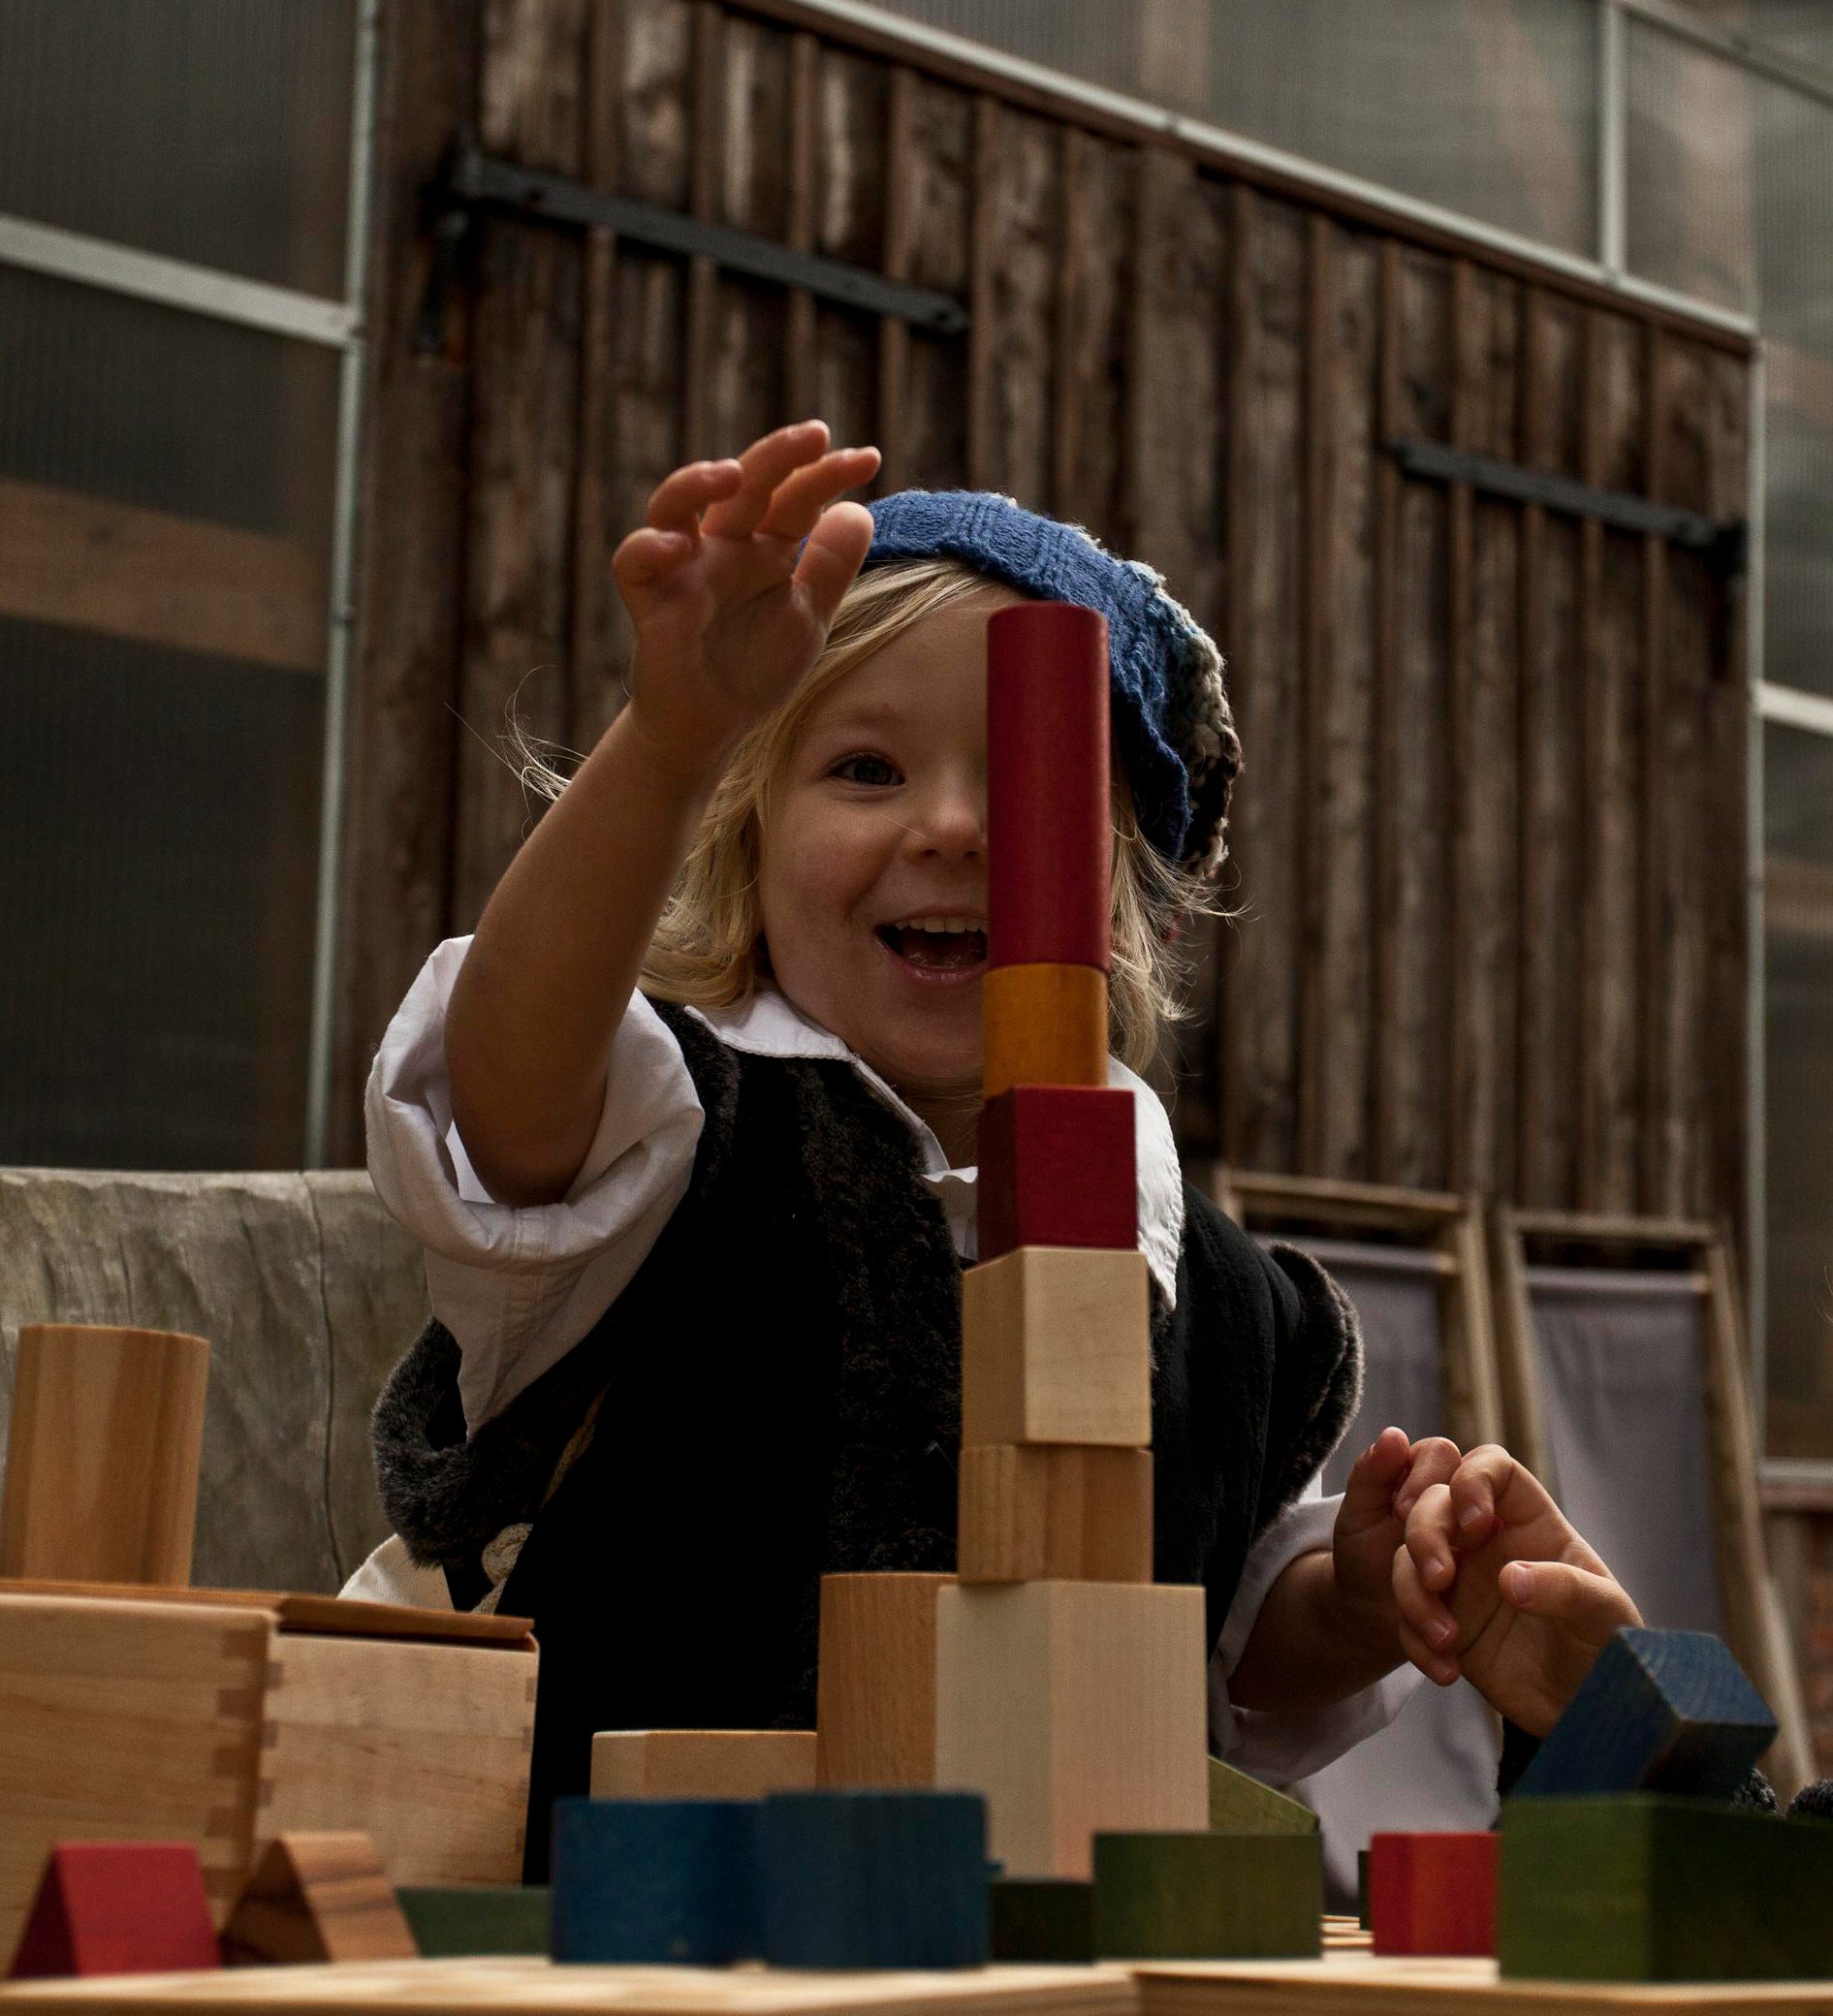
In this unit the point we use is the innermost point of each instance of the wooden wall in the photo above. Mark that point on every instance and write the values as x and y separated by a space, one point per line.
1489 844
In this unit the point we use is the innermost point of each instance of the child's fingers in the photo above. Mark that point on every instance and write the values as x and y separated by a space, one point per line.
1593 1606
1439 1667
1434 1461
832 557
1487 1489
766 463
803 497
645 557
677 502
1429 1538
1368 1493
1421 1610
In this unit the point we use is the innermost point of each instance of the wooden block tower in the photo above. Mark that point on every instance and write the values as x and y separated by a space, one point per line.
1069 1686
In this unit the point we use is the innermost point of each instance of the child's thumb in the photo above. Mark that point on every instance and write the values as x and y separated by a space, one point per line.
1592 1605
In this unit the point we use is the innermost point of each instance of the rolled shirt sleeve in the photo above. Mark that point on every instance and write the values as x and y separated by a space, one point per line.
1277 1745
518 1287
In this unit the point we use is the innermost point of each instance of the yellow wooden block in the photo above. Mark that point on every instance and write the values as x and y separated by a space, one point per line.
876 1692
1063 1512
1076 1708
1043 1024
1055 1347
700 1763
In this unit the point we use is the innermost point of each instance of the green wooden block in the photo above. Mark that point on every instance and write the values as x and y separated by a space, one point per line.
1243 1805
1208 1895
1645 1887
1042 1918
453 1922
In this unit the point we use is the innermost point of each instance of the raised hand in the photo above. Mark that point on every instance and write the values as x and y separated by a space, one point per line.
730 608
1388 1480
1494 1584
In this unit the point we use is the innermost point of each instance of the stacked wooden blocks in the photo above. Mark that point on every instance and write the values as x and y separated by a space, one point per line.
1069 1686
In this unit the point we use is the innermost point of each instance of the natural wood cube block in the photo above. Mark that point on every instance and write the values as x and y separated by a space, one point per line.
1056 1169
875 1692
1208 1895
1057 1512
1076 1708
700 1763
1055 1347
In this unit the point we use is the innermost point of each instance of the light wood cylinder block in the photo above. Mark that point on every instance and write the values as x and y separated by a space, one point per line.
1043 1512
875 1694
1044 1024
102 1455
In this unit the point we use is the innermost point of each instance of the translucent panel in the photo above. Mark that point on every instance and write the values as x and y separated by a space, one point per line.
1801 29
1692 165
151 407
158 814
1798 1063
209 130
1486 107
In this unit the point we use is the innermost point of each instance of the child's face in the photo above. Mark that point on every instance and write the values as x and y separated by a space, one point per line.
874 879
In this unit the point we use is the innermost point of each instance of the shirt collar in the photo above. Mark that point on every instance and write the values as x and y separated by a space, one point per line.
768 1025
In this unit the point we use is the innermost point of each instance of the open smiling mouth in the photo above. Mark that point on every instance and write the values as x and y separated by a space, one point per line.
937 944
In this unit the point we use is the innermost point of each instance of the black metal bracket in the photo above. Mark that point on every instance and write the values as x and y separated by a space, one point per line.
1723 542
473 180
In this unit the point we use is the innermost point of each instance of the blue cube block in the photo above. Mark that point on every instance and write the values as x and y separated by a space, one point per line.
1659 1712
874 1880
654 1880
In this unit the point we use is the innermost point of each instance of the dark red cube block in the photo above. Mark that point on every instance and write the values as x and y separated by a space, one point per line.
1056 1169
1433 1893
1050 821
119 1907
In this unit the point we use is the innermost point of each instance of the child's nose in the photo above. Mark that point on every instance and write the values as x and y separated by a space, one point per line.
955 824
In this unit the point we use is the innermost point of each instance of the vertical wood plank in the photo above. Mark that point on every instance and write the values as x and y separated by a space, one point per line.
524 442
1462 786
850 178
1017 221
798 386
1115 246
901 224
706 161
1384 951
1661 1177
1317 864
1265 542
1342 785
402 751
937 397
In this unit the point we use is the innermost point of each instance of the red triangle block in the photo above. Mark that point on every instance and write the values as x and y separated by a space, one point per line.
119 1907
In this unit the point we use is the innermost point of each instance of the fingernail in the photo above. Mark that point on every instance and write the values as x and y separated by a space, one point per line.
1471 1516
1441 1631
1406 1503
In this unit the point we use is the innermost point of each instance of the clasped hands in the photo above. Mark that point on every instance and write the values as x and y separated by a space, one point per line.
1479 1571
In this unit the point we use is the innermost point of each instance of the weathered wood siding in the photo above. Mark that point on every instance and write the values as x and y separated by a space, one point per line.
1488 845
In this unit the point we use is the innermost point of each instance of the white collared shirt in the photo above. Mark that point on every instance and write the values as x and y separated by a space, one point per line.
518 1287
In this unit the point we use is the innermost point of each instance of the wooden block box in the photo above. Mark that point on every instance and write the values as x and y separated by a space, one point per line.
1056 1512
1055 1347
1076 1708
225 1719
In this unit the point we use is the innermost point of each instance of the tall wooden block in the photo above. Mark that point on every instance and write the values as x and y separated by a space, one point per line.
1043 1025
119 1907
1433 1893
1208 1895
127 1720
1243 1805
875 1689
873 1879
1055 1347
1659 1712
317 1897
1054 1512
1078 1708
1049 824
648 1881
1056 1169
102 1447
700 1763
1650 1888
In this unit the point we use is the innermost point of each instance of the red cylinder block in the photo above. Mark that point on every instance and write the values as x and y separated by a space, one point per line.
1049 830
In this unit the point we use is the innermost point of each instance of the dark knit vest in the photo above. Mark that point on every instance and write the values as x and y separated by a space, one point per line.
776 1396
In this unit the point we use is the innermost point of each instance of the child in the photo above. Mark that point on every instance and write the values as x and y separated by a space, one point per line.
687 1131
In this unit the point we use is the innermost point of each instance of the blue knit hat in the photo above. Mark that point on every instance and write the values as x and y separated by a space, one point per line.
1172 724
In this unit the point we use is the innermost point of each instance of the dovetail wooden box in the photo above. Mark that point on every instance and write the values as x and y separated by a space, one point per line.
224 1717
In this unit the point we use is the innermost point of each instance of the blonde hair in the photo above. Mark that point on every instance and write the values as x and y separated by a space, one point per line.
708 950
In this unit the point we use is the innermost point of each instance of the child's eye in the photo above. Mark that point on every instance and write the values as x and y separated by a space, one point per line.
865 769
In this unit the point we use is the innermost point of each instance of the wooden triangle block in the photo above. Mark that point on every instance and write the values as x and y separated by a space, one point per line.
119 1907
317 1897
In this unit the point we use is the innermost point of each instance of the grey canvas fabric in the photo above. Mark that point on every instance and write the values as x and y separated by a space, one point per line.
1433 1766
1622 1394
